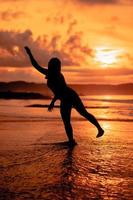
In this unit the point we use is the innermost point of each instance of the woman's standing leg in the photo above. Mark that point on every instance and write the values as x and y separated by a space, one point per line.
65 110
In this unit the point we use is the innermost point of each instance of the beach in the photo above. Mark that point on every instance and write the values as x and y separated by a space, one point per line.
35 163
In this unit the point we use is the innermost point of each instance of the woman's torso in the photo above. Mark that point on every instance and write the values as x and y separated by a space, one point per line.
61 90
58 85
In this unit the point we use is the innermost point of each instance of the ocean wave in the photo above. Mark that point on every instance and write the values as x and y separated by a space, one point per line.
36 119
58 106
128 101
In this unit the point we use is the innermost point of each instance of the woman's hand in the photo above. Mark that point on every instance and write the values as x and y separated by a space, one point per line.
50 107
27 50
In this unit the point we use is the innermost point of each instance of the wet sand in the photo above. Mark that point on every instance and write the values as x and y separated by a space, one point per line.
35 164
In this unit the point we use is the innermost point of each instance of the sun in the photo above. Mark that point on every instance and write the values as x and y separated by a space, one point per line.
106 57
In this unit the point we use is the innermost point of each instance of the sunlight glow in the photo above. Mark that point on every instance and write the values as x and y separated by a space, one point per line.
106 56
11 69
16 49
108 97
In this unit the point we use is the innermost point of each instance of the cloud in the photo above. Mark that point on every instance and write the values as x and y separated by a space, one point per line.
106 76
63 19
19 74
56 19
129 57
71 26
99 72
76 49
114 19
93 2
9 15
12 48
71 52
106 2
121 71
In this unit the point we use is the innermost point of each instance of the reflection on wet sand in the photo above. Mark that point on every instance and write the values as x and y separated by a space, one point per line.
68 174
36 164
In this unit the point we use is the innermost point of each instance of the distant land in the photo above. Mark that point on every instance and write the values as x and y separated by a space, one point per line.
21 95
88 89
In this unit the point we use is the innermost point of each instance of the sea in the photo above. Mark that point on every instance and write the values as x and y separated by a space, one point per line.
36 162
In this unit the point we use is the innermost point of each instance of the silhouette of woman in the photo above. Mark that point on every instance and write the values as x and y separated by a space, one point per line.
68 97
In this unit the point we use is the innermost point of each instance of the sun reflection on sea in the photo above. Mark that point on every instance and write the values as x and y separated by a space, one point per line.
107 97
107 126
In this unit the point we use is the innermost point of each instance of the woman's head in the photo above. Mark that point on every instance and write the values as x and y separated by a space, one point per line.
54 65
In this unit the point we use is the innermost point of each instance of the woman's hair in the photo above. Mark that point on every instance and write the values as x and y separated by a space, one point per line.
54 65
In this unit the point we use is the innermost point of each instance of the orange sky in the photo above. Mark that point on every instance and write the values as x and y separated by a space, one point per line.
93 38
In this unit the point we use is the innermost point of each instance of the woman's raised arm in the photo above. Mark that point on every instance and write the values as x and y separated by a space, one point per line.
34 62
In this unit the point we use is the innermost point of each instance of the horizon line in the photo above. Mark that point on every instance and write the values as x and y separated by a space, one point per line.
128 83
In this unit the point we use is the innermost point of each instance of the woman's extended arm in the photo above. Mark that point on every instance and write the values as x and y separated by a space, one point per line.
34 62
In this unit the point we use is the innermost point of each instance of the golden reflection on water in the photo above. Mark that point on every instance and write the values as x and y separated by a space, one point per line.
106 126
107 97
96 168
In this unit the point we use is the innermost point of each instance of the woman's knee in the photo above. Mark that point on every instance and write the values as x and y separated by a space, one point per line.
85 113
81 109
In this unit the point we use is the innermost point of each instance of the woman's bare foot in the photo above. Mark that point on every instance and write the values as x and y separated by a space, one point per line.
72 143
100 133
